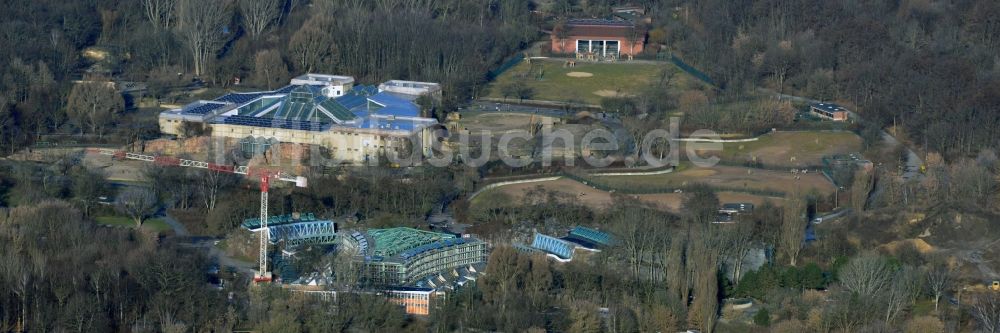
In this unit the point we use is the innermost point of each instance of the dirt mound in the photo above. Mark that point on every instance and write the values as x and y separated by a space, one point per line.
579 74
919 244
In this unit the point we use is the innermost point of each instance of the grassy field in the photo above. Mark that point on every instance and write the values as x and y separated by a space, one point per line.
599 199
792 148
156 224
721 177
499 122
590 82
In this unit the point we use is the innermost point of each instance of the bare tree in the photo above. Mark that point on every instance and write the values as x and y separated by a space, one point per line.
258 14
675 269
737 243
632 225
202 24
561 33
18 271
867 274
704 270
93 105
939 276
211 183
347 271
793 228
270 68
861 186
902 292
503 271
986 310
159 12
312 46
137 203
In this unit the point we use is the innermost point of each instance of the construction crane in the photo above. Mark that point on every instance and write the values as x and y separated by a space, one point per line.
264 174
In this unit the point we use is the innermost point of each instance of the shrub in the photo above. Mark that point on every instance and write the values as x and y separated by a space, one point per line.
762 318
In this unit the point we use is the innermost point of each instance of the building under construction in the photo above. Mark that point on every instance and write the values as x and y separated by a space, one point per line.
404 256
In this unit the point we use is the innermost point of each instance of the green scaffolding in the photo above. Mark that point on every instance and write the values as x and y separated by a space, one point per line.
389 242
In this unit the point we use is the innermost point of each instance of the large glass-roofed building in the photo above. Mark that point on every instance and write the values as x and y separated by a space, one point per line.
356 122
402 256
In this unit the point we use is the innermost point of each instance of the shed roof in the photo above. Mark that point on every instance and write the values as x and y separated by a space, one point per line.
829 107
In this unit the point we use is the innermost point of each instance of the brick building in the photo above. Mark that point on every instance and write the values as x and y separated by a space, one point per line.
598 39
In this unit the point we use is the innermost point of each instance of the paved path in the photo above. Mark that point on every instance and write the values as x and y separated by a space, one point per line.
911 168
179 229
208 246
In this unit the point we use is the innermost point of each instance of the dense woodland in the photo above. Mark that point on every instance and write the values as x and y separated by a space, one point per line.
928 68
173 44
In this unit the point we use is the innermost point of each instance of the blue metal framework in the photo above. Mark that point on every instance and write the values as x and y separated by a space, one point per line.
558 247
594 236
525 248
312 232
305 230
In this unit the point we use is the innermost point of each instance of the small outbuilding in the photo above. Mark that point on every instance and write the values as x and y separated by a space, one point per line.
829 111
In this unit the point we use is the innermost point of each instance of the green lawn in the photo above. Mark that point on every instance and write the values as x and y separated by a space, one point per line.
549 81
156 224
806 148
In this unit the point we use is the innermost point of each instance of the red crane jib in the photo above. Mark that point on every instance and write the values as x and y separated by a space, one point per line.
222 168
166 160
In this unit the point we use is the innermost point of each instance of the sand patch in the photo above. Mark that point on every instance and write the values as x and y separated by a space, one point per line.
579 74
606 93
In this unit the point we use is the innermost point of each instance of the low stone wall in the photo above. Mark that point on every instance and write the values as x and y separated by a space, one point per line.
634 173
716 140
511 182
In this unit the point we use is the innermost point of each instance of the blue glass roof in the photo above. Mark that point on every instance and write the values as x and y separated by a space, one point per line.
351 101
558 247
239 98
592 235
388 99
203 108
305 107
399 110
365 90
275 123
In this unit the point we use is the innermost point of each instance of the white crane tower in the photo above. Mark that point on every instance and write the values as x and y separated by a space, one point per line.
265 175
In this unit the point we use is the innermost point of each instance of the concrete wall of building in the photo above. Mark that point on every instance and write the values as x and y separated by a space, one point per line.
344 144
170 126
412 88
